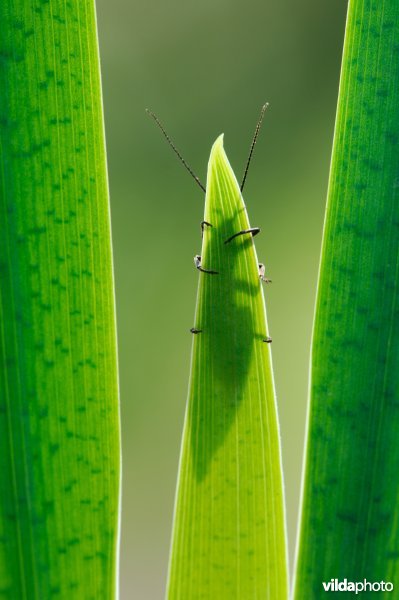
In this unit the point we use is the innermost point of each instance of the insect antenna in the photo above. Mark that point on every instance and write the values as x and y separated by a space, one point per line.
171 144
262 114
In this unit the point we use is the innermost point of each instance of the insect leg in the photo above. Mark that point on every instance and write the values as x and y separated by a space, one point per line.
262 273
203 225
197 262
253 230
268 340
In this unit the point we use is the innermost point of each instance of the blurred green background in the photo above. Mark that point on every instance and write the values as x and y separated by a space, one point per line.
206 68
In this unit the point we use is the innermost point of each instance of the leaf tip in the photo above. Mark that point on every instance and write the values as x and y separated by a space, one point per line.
218 147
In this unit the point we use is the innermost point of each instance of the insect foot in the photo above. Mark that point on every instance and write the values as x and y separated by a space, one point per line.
197 262
253 230
262 273
268 340
195 331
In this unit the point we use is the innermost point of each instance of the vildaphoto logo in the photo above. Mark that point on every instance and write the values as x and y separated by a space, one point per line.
334 585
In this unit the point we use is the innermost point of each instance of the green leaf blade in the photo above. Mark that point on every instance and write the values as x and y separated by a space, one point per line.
229 536
59 421
350 513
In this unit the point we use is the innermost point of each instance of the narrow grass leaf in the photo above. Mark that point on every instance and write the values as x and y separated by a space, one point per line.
229 532
350 516
59 429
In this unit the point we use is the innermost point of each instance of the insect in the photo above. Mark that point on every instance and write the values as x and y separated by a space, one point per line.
205 225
